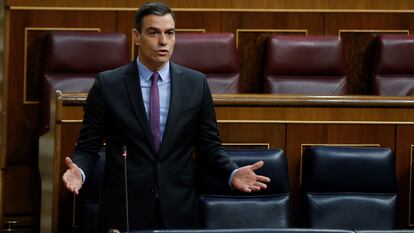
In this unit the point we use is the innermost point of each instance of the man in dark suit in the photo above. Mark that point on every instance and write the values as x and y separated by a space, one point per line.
159 140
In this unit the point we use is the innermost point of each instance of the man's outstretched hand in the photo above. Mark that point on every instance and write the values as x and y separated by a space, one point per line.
72 178
246 180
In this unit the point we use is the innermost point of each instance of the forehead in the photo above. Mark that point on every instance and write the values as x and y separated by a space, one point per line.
155 21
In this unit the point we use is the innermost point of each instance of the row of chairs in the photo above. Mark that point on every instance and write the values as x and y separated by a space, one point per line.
315 65
294 64
305 65
341 188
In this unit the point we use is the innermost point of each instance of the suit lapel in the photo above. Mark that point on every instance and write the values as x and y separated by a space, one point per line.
133 87
175 104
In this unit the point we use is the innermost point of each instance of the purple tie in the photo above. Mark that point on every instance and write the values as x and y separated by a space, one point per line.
155 111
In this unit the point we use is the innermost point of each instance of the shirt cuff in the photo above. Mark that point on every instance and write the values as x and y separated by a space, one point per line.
231 177
83 175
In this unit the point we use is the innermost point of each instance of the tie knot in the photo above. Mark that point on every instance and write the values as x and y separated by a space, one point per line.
154 77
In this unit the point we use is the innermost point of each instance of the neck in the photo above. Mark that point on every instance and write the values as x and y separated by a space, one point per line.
151 66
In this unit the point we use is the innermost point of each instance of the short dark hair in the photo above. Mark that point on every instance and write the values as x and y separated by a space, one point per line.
151 8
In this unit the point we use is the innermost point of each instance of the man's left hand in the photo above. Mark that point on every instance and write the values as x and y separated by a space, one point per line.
245 180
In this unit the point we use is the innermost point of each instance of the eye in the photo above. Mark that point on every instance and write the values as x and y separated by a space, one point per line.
170 33
152 32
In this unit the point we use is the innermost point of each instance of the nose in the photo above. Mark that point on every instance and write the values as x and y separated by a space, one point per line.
162 39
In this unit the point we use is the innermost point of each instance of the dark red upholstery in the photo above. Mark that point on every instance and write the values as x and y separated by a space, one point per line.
305 65
72 59
394 66
213 54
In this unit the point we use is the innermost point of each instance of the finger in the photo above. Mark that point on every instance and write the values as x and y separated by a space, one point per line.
74 189
69 163
261 185
247 190
254 188
256 165
263 179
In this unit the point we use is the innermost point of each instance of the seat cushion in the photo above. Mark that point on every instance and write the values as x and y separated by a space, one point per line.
246 212
351 211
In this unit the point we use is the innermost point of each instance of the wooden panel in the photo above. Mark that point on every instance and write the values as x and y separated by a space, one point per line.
210 21
366 21
258 135
313 22
5 49
125 25
22 190
315 114
244 4
405 153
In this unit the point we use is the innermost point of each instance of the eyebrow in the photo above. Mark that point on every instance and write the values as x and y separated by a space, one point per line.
157 29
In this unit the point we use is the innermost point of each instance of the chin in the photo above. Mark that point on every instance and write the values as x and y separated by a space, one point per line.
162 60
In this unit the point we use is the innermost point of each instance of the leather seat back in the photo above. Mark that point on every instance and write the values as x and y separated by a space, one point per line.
394 65
305 65
349 188
72 60
214 54
222 207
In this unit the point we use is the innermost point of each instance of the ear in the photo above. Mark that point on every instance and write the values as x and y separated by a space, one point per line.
136 36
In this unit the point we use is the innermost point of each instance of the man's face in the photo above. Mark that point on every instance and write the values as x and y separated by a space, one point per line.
156 40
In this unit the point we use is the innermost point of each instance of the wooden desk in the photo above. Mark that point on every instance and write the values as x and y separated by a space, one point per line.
254 121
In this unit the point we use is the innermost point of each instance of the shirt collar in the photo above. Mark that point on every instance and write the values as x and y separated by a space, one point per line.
146 73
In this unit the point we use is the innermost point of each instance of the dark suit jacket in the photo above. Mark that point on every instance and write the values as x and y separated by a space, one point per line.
115 113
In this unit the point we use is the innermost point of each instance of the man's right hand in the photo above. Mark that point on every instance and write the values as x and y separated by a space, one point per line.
72 178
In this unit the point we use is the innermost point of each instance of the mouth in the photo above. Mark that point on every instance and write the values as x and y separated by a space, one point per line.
162 52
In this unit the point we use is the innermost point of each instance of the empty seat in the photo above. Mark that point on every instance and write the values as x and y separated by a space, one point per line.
305 65
394 65
213 54
222 207
72 60
349 188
